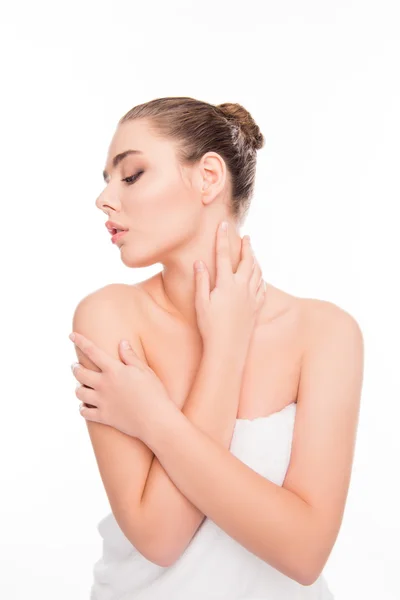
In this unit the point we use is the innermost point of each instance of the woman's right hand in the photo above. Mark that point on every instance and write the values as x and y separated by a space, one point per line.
229 312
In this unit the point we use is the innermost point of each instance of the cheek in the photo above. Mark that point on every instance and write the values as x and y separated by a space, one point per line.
166 206
178 216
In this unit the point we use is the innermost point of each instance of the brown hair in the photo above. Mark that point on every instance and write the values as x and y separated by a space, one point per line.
200 127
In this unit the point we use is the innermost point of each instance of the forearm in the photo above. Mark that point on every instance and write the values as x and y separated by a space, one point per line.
270 521
212 404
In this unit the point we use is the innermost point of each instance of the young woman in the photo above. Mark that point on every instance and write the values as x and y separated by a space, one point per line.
225 436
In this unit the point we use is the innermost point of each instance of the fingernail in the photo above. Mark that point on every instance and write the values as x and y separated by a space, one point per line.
71 336
224 226
199 265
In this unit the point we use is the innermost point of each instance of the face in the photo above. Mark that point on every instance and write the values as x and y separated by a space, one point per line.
151 195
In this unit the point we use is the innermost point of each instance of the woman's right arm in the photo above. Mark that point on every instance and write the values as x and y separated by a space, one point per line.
123 461
150 510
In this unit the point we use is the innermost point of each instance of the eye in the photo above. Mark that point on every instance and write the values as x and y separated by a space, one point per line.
133 178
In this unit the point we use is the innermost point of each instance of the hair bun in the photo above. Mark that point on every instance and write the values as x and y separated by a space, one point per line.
238 114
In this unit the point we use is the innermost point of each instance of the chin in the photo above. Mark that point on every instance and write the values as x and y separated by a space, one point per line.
136 261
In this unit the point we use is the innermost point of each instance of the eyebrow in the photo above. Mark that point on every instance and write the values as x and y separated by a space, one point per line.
117 159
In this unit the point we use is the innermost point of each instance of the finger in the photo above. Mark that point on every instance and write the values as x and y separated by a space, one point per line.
90 414
202 282
130 357
86 376
246 264
261 292
256 277
87 395
223 257
100 358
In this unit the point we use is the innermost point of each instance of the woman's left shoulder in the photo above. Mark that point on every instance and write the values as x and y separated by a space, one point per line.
324 314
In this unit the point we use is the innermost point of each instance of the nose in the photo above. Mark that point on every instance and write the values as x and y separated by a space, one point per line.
107 203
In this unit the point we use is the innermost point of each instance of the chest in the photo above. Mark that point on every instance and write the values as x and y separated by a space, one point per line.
271 373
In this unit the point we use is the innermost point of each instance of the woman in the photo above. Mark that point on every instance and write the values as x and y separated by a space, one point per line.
225 436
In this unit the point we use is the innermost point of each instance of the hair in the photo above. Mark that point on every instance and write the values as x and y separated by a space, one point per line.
200 127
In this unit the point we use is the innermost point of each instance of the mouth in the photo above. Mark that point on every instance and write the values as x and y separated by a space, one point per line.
114 230
116 234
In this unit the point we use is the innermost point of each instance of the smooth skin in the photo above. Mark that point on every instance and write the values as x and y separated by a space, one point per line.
128 396
303 350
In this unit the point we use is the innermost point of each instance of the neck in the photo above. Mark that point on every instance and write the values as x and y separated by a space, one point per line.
178 275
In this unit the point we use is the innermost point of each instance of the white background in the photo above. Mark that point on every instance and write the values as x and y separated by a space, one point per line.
321 79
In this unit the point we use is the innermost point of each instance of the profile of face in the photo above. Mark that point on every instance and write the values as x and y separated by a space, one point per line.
161 203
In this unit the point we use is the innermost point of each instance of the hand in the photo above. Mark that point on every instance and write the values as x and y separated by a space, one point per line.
232 306
125 395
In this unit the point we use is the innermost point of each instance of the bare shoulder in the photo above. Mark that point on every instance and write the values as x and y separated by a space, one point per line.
116 306
313 313
328 404
114 295
323 330
111 290
322 317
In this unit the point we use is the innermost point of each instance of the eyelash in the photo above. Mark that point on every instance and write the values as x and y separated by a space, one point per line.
130 180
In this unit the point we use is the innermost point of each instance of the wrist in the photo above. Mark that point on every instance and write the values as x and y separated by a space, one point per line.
226 349
161 426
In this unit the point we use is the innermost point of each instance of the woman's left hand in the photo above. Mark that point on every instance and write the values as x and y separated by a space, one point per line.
124 395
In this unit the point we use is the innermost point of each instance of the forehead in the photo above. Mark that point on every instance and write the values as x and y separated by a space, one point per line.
131 134
138 135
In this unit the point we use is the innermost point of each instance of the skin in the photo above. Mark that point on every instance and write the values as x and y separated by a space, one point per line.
304 350
172 214
171 219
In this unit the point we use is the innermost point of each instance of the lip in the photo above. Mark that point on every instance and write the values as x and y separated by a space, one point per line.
117 236
110 225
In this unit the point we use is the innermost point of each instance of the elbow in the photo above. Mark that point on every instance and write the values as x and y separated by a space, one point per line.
307 578
165 548
162 562
148 536
314 554
148 545
310 577
307 565
165 558
310 572
154 551
151 553
154 536
303 576
162 559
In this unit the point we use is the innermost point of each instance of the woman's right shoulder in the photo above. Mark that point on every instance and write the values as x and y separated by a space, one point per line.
110 313
116 292
124 298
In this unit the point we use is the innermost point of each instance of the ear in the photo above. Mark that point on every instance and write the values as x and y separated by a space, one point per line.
212 176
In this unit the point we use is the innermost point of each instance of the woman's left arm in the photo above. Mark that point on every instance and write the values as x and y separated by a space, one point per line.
292 527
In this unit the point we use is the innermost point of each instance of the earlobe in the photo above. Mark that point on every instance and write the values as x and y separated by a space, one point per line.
206 195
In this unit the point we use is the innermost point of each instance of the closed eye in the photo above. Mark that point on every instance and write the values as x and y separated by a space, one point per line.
133 178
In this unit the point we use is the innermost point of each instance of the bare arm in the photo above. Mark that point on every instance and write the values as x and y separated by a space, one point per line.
293 526
170 517
151 511
158 519
172 520
123 461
